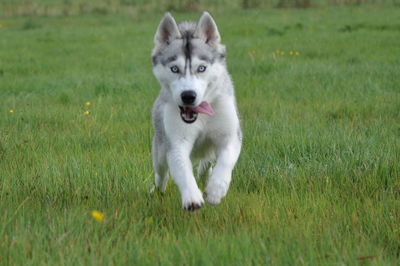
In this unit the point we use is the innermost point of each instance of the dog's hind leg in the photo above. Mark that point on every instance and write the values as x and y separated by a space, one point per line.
160 166
204 170
161 177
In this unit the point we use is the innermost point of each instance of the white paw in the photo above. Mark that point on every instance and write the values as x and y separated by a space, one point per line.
192 201
216 191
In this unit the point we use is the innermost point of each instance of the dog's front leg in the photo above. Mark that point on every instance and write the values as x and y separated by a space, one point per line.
218 183
181 171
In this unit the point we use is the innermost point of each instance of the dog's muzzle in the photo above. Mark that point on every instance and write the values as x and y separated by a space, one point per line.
189 113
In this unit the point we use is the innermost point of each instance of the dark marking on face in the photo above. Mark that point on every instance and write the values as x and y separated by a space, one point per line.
187 48
190 46
205 58
155 58
169 60
212 57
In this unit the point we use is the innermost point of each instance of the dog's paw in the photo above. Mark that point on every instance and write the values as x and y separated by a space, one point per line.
192 201
193 206
215 192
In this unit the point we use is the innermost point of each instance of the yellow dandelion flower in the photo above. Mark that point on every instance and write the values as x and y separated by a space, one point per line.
291 53
98 216
297 53
88 103
86 112
278 51
11 111
282 52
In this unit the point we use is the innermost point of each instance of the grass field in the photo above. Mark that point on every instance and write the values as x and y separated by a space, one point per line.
317 182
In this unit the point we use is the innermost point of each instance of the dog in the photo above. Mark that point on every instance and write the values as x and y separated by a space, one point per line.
195 117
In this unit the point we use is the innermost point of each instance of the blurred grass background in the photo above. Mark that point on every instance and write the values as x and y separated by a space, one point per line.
76 7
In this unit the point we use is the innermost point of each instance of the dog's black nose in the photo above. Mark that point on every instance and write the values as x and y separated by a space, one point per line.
188 97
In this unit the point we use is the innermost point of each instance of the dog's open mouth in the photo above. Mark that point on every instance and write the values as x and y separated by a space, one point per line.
189 113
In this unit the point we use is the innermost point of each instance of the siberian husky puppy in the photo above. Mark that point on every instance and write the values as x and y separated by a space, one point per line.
195 117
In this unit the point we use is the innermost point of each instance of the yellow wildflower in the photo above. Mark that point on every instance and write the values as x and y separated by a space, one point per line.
88 103
86 112
297 53
11 111
98 216
291 53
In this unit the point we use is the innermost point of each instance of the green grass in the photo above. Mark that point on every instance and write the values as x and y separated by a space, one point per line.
317 182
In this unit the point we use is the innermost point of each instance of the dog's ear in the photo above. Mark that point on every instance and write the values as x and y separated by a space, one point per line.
167 31
207 30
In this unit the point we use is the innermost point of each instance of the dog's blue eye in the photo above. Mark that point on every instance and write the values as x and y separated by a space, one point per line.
201 68
175 69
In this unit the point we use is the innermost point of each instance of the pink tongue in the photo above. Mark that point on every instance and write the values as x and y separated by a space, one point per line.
204 108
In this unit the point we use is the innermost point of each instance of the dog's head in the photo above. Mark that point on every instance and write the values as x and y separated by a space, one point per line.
187 60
